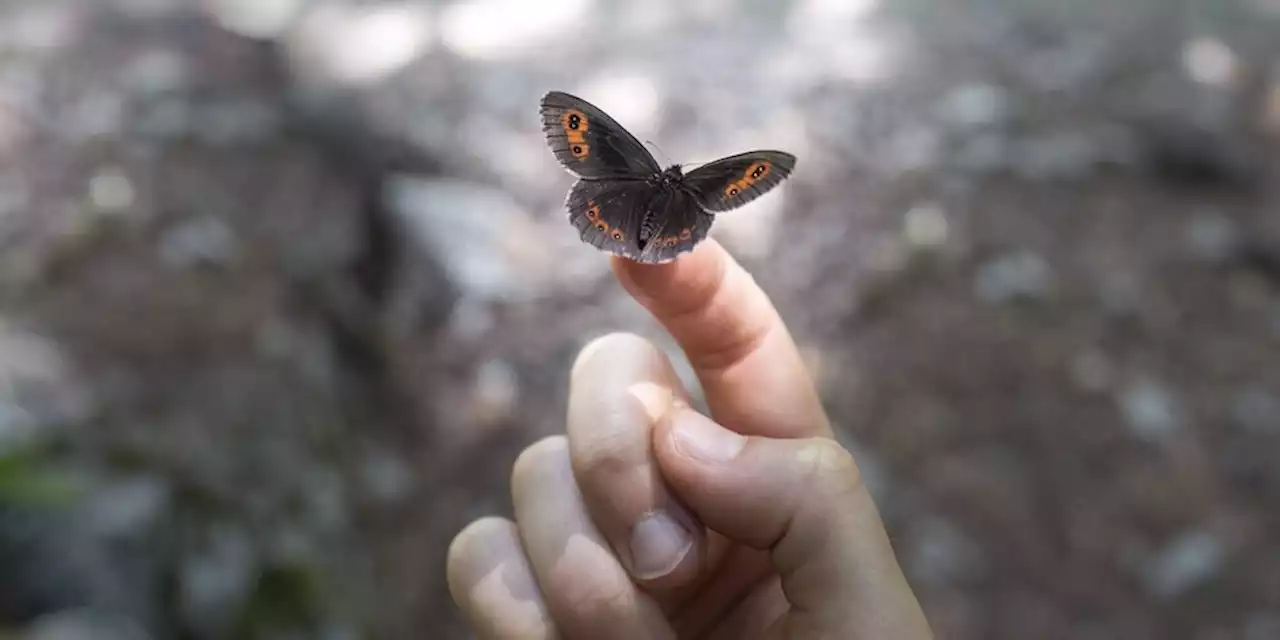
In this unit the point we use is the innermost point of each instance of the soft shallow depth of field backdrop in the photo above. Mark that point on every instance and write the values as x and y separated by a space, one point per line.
286 285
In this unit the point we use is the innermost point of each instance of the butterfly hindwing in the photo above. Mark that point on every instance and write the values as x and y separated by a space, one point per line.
589 143
634 220
607 214
731 182
677 224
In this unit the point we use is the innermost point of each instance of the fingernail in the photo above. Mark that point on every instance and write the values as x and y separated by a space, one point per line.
700 438
658 544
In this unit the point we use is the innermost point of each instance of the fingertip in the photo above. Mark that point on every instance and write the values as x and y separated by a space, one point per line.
696 457
612 343
479 529
640 278
491 581
698 440
546 456
471 546
671 282
615 369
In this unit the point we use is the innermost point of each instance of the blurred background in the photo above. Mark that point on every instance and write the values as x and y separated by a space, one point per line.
286 285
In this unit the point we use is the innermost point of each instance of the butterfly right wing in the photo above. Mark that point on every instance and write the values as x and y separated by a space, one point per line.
589 143
731 182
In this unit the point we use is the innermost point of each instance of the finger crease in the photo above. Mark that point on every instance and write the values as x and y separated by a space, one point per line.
742 338
784 534
732 351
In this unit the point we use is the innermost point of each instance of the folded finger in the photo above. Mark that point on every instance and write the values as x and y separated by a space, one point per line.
492 583
620 384
586 589
750 369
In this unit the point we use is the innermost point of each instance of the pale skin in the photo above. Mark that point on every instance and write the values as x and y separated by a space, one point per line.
650 520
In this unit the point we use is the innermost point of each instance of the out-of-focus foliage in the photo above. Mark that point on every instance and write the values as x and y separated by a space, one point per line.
29 480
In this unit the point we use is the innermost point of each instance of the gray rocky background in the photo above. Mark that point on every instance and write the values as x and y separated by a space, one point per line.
285 286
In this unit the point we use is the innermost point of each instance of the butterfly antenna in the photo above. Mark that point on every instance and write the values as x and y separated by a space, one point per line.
693 165
665 158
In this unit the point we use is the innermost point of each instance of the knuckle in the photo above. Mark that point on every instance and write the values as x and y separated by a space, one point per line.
828 469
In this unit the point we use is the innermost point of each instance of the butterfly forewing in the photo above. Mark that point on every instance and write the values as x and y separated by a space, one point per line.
731 182
591 144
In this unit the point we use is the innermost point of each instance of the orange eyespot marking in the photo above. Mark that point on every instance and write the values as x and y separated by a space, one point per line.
741 185
593 210
575 126
602 225
756 171
617 234
685 233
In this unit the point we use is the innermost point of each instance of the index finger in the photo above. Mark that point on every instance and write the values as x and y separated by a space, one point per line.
750 369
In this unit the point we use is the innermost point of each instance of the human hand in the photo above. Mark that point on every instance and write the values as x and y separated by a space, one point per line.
650 520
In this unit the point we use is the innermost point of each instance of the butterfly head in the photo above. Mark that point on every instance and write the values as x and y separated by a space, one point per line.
672 176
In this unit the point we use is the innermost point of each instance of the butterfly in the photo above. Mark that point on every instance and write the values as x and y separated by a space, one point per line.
625 203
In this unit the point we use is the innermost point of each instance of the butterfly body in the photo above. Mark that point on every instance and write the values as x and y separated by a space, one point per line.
626 204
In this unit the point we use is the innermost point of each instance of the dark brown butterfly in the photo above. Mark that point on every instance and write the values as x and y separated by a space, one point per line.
626 204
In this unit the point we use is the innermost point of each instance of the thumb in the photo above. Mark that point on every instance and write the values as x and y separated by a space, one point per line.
803 501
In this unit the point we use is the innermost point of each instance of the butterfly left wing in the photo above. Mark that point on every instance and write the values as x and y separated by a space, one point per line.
731 182
608 213
591 144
